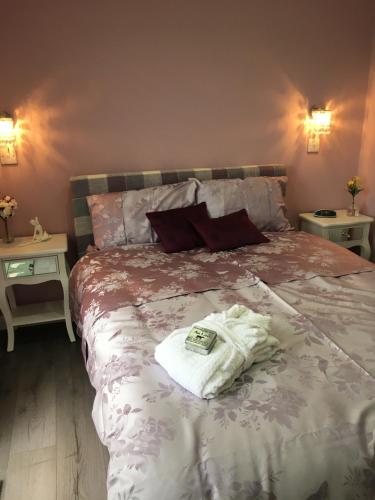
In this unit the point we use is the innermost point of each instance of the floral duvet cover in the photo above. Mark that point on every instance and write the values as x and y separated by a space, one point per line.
299 426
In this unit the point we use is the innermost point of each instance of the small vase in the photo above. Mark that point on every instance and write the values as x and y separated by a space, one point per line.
353 210
8 238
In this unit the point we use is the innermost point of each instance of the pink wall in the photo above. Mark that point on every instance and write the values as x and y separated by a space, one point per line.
367 158
116 86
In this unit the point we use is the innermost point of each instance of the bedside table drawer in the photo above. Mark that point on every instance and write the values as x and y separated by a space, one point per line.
21 268
346 234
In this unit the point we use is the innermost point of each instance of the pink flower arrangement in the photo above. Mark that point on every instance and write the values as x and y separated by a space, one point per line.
8 206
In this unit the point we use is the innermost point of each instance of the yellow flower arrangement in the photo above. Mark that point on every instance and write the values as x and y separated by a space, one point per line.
354 186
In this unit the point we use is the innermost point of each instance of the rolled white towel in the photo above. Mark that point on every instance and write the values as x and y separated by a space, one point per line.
243 339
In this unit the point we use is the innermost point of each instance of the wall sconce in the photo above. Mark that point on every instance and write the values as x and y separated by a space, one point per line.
318 123
8 154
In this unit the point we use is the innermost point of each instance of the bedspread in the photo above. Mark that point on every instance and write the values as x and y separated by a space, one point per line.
106 280
299 426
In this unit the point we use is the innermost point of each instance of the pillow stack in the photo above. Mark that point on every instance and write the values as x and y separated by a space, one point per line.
120 218
221 214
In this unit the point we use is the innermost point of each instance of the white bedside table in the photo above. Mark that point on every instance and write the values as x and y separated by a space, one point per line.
31 264
345 230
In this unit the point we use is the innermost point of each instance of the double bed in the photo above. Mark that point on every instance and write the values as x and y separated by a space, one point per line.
298 426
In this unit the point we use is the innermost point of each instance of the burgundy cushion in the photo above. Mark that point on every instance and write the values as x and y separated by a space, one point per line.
230 231
175 229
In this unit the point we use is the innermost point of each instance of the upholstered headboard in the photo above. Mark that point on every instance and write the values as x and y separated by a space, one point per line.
85 185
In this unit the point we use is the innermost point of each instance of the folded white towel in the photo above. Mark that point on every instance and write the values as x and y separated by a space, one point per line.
243 339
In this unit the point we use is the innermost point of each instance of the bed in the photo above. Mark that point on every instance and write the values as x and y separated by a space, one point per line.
299 426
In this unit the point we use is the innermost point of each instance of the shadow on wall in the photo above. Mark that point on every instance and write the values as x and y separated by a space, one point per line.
287 127
46 129
39 134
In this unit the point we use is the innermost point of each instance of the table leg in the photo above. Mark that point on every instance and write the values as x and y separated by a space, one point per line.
11 298
5 309
65 287
365 250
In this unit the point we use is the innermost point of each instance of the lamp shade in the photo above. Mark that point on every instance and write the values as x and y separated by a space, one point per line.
320 121
7 131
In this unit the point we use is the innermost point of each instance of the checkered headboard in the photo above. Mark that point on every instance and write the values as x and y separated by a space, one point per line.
86 185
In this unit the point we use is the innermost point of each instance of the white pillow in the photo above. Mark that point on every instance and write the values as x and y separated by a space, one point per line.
262 197
135 205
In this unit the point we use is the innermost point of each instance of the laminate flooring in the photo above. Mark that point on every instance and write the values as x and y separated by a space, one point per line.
49 449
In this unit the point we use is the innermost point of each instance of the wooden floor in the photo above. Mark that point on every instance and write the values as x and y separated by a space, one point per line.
49 448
